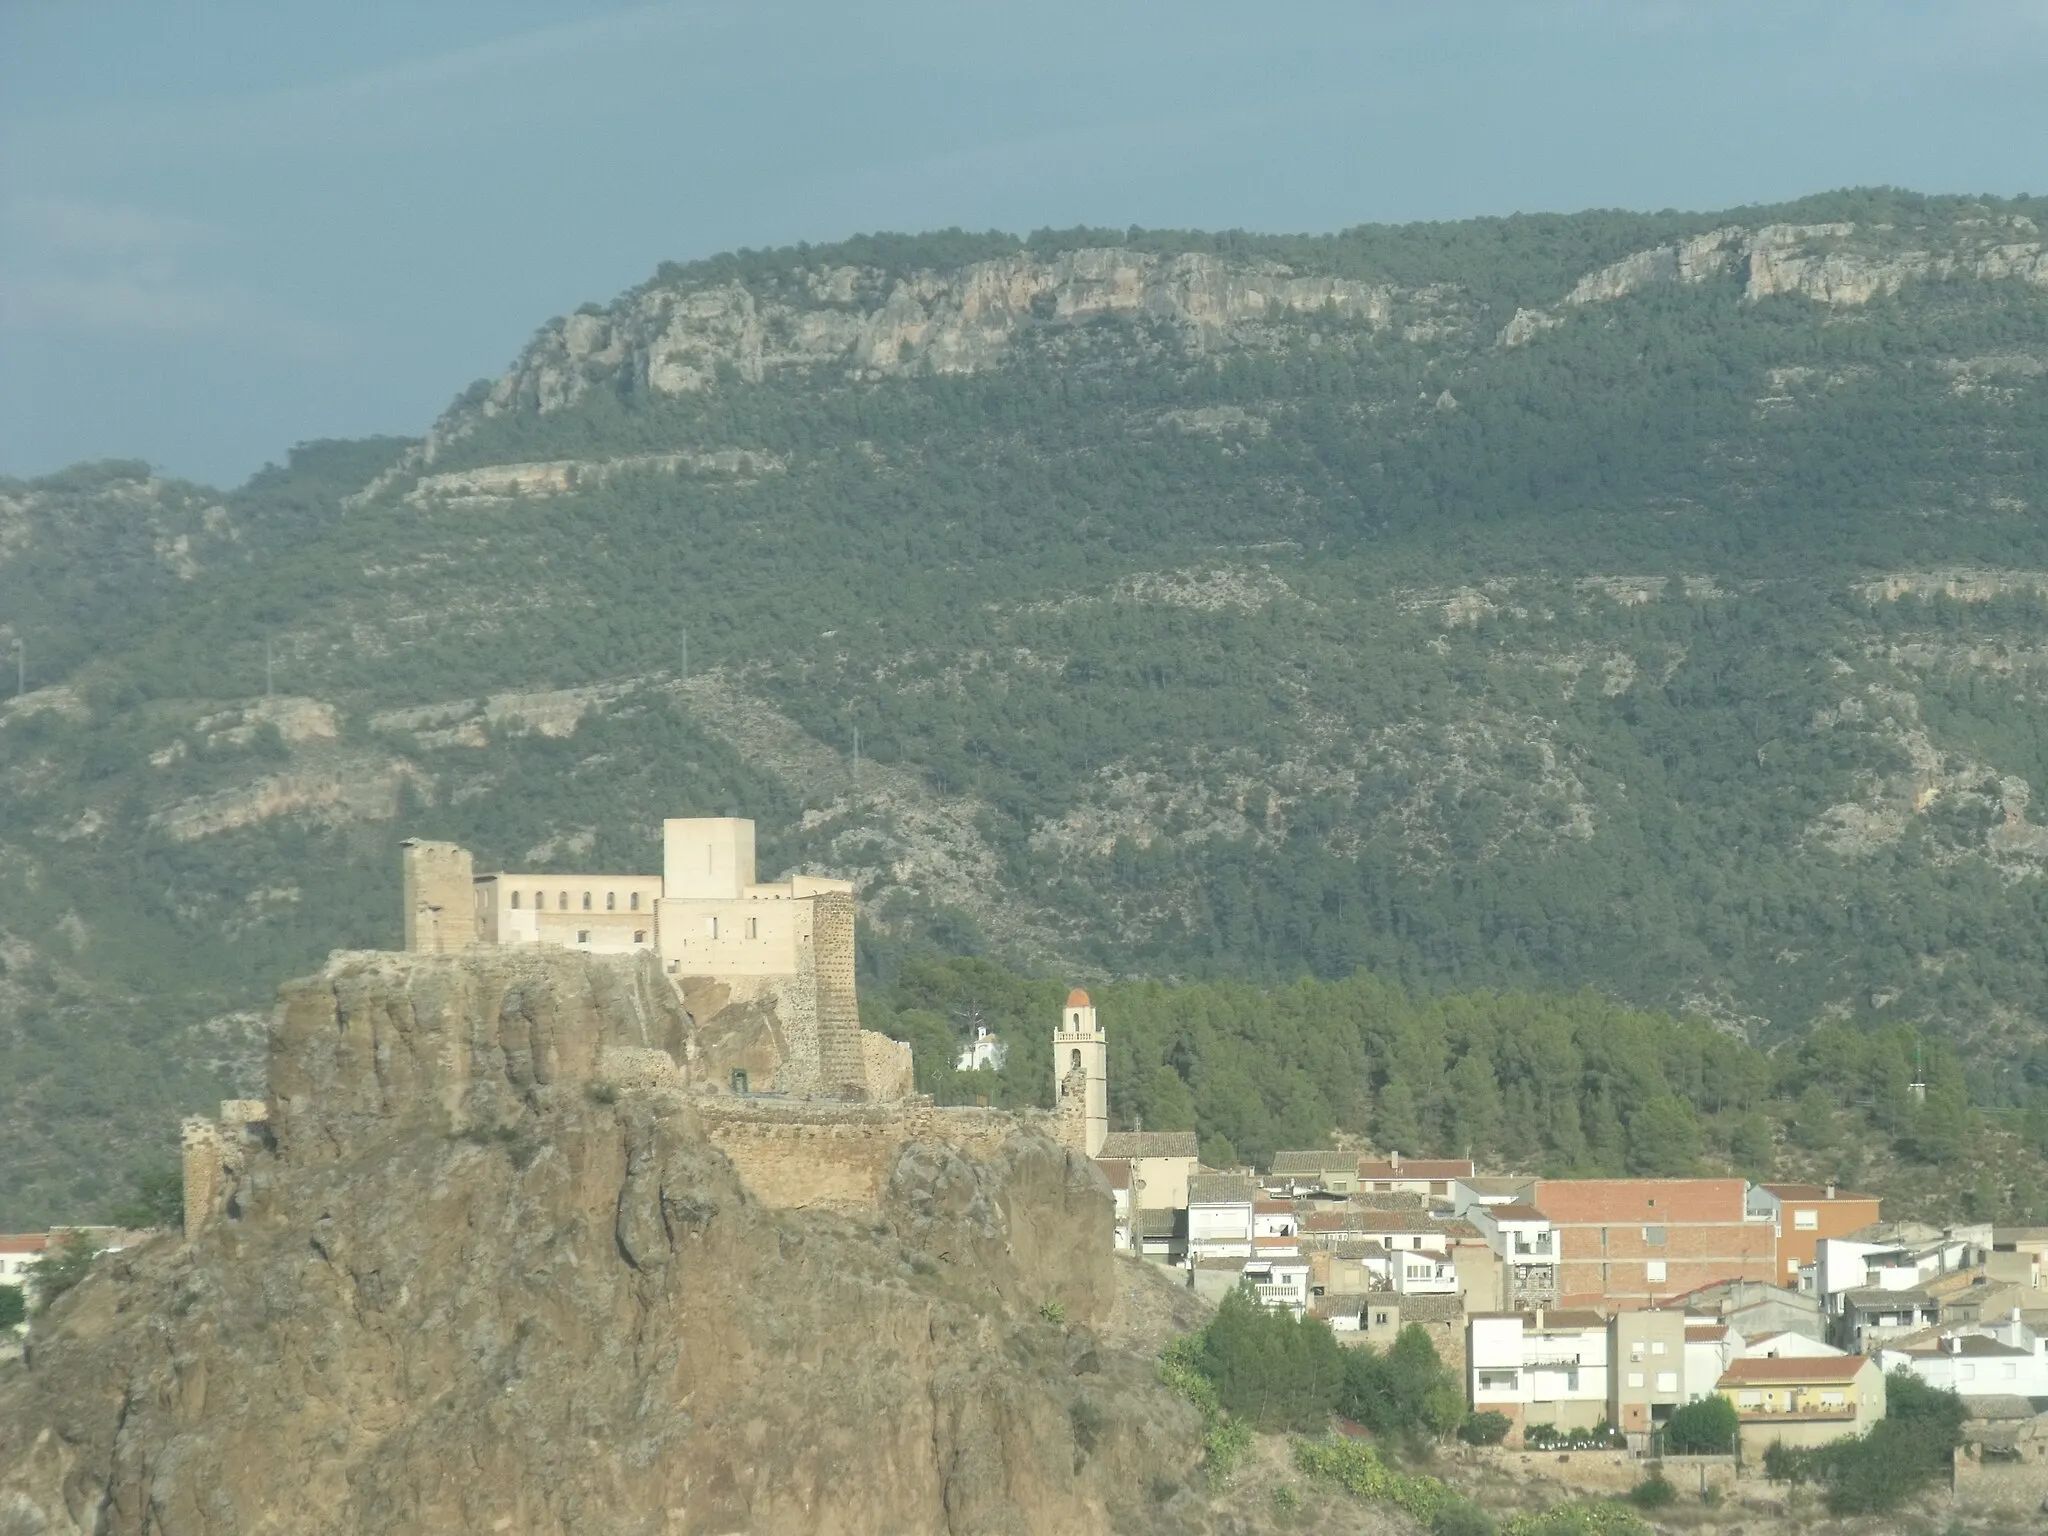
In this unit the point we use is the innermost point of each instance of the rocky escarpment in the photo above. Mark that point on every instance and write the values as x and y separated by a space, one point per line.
1837 264
484 1283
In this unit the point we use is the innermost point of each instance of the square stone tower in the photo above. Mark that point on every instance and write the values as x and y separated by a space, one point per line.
440 896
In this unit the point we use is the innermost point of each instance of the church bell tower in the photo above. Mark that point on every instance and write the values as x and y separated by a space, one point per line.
1080 1075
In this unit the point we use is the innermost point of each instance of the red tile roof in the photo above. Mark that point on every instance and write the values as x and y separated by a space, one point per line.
1117 1170
1705 1333
1781 1368
24 1242
1514 1211
1078 999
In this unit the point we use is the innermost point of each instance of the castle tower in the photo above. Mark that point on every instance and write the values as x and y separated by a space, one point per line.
1080 1074
440 896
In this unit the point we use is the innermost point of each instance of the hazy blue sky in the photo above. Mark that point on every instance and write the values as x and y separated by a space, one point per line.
228 227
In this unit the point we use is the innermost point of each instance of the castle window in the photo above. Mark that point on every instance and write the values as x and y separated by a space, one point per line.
586 901
639 935
634 902
565 901
582 935
1077 1058
611 901
515 901
711 927
753 927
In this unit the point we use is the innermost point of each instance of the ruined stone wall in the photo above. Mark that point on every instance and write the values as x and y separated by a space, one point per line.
1070 1114
798 1072
836 1156
886 1067
841 1071
199 1143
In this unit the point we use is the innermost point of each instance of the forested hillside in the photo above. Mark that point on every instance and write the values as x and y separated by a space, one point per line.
1649 605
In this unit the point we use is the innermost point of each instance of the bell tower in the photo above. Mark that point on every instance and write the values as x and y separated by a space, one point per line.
1080 1075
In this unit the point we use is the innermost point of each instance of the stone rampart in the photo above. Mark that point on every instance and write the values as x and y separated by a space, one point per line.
1607 1472
816 1154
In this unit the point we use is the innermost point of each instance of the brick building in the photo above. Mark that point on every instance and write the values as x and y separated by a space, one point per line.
1629 1243
1806 1213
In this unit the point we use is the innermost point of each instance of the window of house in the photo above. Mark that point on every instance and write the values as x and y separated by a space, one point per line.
1571 1379
582 935
1635 1378
753 927
1749 1399
565 901
1806 1221
711 927
611 901
1654 1236
634 901
639 935
586 901
1657 1347
1635 1350
1492 1381
1653 1271
1667 1381
515 901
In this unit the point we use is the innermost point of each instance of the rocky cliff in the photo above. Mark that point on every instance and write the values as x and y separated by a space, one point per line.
479 1281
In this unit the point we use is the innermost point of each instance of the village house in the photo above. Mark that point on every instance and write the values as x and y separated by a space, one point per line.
2006 1356
1220 1216
19 1251
1802 1402
1541 1367
1646 1381
1161 1162
1412 1176
1631 1243
1709 1348
1804 1214
1754 1309
1520 1237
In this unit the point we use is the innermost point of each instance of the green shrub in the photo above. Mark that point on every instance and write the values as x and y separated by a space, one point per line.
1054 1311
159 1201
1405 1391
1587 1518
13 1306
1912 1447
1705 1428
1269 1368
1485 1428
1653 1492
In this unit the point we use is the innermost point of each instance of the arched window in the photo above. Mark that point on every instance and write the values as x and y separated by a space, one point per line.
565 901
639 935
611 901
634 901
586 901
1077 1057
515 901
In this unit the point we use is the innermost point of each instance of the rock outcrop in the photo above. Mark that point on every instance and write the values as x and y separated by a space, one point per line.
493 1273
1838 265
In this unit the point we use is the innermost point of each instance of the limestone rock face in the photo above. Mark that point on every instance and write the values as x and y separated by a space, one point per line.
673 341
484 1283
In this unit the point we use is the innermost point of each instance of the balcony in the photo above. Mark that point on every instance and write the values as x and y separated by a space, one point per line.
1542 1248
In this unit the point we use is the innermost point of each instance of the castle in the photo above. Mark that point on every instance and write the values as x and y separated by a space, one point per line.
726 939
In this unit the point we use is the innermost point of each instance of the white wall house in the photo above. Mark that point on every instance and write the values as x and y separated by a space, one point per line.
1420 1272
1521 1238
1547 1367
1709 1346
2005 1357
1220 1217
985 1051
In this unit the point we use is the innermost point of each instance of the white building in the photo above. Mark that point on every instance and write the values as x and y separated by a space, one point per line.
1984 1359
1709 1347
1787 1346
985 1052
1220 1216
1543 1367
1420 1272
1521 1238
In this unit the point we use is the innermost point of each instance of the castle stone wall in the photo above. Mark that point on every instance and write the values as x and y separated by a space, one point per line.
841 1070
822 1155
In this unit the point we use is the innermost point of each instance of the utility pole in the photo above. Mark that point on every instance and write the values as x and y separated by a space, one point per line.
686 653
856 754
269 669
20 666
